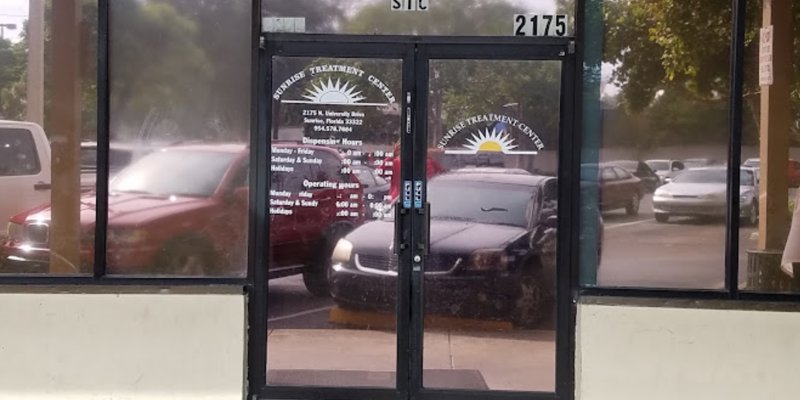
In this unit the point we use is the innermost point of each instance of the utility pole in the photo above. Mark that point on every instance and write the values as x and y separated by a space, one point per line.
34 110
65 136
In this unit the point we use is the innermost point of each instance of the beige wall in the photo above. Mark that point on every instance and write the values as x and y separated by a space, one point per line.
121 346
174 346
627 352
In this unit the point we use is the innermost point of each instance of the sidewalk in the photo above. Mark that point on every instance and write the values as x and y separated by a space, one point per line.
506 360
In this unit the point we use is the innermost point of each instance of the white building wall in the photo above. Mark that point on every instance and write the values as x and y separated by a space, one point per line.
653 353
121 346
192 346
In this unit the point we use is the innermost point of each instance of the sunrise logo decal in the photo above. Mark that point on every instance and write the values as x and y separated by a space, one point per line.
333 93
327 91
489 141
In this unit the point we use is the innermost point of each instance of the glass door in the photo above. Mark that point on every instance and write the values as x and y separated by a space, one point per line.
336 124
416 198
485 295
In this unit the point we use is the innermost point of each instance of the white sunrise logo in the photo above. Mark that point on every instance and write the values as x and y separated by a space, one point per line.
333 93
490 141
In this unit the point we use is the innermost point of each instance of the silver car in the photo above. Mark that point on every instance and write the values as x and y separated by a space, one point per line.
703 192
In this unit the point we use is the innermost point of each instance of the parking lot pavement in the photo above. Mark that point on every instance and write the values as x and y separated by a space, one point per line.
684 253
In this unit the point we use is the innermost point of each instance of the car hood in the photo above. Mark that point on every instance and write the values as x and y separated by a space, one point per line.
128 208
698 189
446 236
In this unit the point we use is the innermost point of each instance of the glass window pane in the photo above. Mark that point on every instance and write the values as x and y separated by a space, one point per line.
180 103
770 208
451 17
333 271
48 77
655 104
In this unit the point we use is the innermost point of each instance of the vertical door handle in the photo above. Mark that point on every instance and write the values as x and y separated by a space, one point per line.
425 245
399 242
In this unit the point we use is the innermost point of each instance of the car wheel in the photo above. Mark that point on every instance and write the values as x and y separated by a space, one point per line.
317 275
752 216
531 300
633 205
186 257
662 218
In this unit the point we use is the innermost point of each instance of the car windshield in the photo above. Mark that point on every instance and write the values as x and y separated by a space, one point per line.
659 165
695 163
165 173
629 165
483 202
746 178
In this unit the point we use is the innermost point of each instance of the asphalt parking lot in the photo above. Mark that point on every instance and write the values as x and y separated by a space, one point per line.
637 252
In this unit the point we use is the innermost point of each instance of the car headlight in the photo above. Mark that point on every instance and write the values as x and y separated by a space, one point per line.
16 232
342 251
662 193
126 236
488 260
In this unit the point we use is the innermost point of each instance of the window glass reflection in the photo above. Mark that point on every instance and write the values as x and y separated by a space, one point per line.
771 149
180 99
47 78
655 128
333 271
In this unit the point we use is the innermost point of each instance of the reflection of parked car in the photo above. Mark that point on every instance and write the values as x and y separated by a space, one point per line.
703 192
492 250
376 190
618 188
665 169
492 170
119 155
698 162
752 163
183 211
650 181
793 170
24 168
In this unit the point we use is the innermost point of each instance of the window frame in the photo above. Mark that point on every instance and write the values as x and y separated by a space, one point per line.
731 290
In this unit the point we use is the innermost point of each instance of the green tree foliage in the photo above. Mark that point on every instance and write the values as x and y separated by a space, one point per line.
681 49
12 79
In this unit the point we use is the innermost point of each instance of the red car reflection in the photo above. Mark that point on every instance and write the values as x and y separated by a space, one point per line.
183 211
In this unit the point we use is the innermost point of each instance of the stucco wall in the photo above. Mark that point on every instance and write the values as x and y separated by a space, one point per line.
121 346
643 352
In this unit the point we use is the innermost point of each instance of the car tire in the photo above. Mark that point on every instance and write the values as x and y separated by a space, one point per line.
752 216
186 257
531 300
317 275
662 218
632 208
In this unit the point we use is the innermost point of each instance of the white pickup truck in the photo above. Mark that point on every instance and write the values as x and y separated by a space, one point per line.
24 168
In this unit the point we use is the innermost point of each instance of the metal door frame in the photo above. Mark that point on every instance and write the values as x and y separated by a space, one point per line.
415 53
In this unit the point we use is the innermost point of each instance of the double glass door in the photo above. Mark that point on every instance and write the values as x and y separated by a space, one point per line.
415 213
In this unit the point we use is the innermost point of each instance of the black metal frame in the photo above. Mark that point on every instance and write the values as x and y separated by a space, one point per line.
415 53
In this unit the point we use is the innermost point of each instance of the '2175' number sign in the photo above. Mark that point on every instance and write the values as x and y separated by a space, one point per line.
540 25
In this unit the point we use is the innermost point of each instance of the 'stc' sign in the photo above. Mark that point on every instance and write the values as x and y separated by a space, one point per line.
409 5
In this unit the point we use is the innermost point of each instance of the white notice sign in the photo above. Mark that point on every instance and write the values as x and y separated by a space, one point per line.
765 76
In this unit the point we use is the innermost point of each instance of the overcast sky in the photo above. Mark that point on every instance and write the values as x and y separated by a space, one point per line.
13 12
